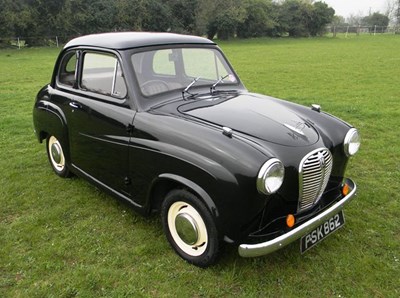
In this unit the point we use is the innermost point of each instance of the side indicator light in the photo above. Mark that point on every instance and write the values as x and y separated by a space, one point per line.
290 220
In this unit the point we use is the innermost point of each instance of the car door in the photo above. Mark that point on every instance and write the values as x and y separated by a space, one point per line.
99 122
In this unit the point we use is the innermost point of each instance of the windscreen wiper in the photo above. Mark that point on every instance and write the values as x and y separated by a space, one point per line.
212 88
186 90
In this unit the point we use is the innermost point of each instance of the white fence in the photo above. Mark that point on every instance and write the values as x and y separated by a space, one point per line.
20 41
374 30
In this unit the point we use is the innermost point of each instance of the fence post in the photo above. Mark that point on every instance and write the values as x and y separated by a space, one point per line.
19 45
347 31
375 30
57 41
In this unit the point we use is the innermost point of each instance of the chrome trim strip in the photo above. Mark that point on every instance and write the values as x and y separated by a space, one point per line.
259 249
295 129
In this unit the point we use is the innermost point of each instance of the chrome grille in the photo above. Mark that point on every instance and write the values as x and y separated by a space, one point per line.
314 172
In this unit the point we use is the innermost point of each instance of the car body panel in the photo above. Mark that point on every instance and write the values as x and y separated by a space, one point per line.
138 148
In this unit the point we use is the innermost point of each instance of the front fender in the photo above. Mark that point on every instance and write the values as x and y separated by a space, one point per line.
220 169
196 188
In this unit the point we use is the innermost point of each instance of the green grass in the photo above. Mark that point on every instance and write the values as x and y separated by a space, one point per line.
65 238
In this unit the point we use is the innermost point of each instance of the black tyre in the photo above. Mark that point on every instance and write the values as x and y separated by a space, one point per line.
56 156
190 228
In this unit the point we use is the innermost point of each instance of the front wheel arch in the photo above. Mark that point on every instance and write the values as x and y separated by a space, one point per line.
167 182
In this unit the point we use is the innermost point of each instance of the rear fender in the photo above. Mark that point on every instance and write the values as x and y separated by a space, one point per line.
49 120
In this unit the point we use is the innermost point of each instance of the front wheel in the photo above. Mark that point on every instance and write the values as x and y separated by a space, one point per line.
56 157
190 228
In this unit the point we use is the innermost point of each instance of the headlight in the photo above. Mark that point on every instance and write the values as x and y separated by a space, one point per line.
351 142
270 177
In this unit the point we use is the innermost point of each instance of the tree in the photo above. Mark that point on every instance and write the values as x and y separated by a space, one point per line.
321 16
259 20
130 15
33 19
393 11
8 17
219 17
76 17
338 21
398 13
376 19
355 20
294 18
183 14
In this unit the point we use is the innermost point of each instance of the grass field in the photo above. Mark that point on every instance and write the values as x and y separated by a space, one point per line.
64 238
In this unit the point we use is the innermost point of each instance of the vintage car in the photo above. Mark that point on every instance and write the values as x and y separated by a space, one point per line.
163 122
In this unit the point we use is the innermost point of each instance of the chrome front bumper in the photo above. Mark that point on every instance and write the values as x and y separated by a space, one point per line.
259 249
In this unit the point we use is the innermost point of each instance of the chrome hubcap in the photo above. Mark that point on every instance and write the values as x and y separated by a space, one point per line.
56 152
186 228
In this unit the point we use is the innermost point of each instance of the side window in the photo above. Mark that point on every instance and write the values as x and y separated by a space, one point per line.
102 73
67 72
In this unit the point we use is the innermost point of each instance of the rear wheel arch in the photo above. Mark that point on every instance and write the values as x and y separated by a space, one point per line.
43 136
49 120
62 135
54 126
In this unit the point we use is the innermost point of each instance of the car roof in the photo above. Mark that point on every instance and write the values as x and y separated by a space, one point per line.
128 40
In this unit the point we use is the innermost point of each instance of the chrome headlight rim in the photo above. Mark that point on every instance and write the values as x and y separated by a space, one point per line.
270 168
351 142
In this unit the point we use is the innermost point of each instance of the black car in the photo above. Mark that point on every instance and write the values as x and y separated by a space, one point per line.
163 122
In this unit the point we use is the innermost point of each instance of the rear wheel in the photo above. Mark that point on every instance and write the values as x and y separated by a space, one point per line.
190 228
56 157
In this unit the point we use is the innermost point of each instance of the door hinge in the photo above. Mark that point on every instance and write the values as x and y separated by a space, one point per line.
127 180
130 128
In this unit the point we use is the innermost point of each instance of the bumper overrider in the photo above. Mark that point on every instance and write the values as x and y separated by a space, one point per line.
260 249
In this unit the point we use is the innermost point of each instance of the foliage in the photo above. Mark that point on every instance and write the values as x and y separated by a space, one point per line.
321 16
260 19
301 18
219 17
32 19
376 19
64 238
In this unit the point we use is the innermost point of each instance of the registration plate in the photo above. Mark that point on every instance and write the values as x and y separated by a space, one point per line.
321 232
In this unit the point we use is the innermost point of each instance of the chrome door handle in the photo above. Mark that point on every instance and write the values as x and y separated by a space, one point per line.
74 105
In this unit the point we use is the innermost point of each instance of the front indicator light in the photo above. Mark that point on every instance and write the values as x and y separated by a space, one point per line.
345 190
290 220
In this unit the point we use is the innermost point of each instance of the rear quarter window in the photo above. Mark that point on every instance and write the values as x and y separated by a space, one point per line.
67 71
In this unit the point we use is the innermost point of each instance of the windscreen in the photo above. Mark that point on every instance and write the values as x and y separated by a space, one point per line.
163 70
